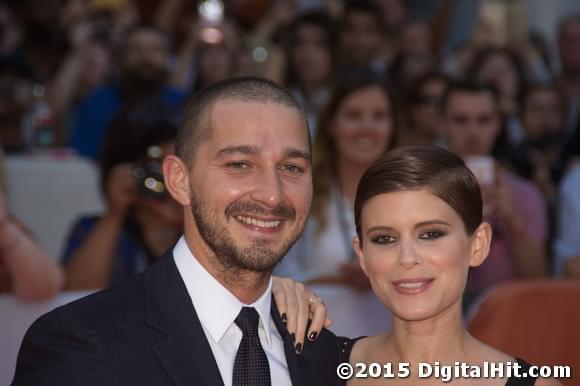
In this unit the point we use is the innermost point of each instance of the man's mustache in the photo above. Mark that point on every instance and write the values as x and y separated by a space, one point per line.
246 208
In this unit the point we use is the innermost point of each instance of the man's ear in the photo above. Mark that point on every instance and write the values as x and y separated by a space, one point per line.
358 250
176 177
480 244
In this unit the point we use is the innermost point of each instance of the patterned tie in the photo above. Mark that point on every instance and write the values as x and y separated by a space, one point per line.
251 365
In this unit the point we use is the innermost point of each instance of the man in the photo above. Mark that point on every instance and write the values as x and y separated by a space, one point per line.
569 78
362 41
142 86
514 206
242 174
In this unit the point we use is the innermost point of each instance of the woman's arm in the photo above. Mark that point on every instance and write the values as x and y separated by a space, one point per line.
33 274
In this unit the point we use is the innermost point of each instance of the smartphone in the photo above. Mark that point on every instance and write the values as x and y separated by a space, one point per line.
211 15
483 167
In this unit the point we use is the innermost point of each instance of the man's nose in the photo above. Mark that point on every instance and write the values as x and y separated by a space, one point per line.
268 189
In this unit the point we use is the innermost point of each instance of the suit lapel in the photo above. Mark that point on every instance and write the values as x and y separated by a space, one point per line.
184 350
296 374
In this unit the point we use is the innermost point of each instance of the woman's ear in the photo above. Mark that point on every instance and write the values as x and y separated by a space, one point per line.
480 244
356 245
176 177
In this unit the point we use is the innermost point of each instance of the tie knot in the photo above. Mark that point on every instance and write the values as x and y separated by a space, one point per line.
248 320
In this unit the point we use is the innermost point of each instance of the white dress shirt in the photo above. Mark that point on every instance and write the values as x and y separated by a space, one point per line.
217 308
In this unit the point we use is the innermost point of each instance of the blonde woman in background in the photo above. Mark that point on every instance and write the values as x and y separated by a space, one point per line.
25 269
357 126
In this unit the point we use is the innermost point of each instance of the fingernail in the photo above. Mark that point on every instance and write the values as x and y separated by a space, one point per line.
312 335
298 348
293 337
284 318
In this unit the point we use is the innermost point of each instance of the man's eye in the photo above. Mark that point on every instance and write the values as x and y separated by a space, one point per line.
238 165
431 235
384 239
292 168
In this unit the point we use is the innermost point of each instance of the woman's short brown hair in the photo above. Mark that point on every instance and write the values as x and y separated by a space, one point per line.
423 167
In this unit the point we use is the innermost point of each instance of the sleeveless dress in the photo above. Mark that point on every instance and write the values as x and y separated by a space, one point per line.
346 344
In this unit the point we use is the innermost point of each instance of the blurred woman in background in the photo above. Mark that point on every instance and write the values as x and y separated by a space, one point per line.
311 52
502 69
357 126
422 113
26 271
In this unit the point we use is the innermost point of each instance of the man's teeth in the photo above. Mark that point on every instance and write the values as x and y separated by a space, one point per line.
258 223
412 285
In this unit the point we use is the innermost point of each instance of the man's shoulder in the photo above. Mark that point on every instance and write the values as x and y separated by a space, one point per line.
117 301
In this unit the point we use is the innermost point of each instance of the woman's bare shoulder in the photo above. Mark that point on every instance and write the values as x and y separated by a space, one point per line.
365 349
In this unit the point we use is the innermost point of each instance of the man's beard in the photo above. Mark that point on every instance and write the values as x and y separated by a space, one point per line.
256 258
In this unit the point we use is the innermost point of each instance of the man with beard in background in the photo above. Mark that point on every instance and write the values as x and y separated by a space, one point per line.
140 87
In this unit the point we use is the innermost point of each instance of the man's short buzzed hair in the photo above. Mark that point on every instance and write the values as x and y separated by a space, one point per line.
196 125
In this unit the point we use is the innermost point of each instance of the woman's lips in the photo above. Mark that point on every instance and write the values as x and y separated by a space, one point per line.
412 286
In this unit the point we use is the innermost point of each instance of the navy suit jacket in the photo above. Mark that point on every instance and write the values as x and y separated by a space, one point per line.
145 332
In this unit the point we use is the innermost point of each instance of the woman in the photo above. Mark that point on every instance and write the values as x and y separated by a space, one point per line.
311 52
26 271
503 70
422 115
418 215
357 126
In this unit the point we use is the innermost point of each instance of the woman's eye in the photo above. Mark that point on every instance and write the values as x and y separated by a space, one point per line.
431 235
385 239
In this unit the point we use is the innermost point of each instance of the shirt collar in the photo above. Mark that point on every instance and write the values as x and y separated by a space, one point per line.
216 307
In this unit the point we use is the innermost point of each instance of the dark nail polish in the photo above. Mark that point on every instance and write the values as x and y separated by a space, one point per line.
298 348
293 337
312 335
284 318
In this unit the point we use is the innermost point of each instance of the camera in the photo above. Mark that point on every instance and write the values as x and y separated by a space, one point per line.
149 175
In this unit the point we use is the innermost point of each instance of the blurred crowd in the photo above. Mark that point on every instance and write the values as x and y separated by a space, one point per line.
109 79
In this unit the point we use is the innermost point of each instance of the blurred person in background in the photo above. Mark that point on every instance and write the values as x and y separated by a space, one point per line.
567 243
395 13
406 69
569 77
422 111
21 99
86 67
415 55
539 156
362 38
209 53
416 38
26 271
142 84
140 222
11 36
502 69
311 53
512 205
357 126
43 43
457 63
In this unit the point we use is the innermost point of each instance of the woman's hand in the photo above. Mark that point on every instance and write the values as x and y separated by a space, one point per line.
297 305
